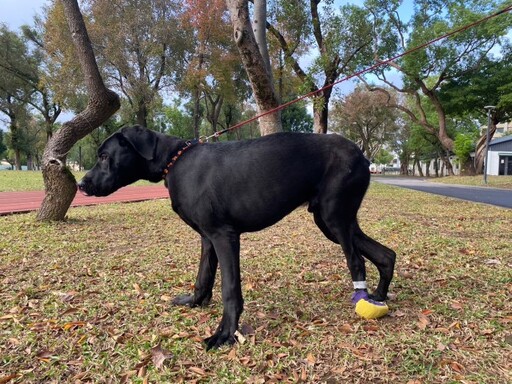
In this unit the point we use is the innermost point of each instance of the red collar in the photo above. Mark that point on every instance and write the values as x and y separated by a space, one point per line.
190 144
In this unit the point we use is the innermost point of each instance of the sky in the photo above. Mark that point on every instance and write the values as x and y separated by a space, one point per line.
15 13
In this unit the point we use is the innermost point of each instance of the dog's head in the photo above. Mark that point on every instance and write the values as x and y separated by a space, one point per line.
122 159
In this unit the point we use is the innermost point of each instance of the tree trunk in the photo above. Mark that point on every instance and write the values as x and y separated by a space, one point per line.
320 114
420 170
60 184
448 164
142 114
197 94
17 159
468 168
480 149
254 64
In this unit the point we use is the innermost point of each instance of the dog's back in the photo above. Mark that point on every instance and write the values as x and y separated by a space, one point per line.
254 183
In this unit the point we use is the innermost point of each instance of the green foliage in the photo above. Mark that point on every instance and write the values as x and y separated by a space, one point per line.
464 145
296 118
490 84
383 157
178 122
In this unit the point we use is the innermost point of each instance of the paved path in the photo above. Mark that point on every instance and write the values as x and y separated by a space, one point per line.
493 196
20 202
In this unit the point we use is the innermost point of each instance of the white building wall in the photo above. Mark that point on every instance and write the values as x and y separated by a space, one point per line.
494 161
493 167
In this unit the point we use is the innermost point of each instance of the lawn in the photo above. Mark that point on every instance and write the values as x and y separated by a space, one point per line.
477 181
89 300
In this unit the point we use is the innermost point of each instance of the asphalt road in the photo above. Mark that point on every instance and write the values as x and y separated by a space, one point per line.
493 196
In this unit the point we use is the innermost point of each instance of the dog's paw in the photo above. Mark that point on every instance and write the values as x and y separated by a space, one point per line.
187 300
377 296
219 339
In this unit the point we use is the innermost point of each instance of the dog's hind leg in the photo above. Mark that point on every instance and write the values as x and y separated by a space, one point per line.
205 278
381 256
356 244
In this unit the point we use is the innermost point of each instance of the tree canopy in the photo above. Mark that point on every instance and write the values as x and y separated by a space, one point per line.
178 68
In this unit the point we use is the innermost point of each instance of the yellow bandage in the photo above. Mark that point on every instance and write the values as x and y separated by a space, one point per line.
367 310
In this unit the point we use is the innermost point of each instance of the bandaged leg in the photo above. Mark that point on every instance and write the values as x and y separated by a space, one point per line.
366 307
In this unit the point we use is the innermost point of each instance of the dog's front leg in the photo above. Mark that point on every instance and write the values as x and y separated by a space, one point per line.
205 278
227 248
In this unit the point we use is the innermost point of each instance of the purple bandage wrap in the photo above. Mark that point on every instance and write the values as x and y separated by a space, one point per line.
362 294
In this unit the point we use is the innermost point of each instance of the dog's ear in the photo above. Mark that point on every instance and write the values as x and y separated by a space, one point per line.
143 140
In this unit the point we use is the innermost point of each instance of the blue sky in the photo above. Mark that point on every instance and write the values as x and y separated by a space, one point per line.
15 13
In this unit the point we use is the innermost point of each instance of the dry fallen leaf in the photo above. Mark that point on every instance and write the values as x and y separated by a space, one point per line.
44 355
310 359
159 355
6 379
423 321
240 338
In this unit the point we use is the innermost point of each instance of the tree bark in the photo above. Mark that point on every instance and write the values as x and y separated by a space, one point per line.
321 112
254 64
60 184
480 149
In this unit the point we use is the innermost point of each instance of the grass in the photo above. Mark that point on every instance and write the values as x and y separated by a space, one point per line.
89 300
476 181
15 181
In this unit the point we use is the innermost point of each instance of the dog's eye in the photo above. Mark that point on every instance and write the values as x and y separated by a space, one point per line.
103 157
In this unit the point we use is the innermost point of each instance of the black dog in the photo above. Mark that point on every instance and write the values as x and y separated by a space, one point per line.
224 189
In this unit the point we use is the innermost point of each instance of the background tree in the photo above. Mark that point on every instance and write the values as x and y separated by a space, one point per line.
341 37
15 93
467 95
141 47
364 117
60 185
296 118
24 59
214 75
423 72
255 65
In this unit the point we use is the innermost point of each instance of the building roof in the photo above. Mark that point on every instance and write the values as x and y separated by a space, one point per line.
500 140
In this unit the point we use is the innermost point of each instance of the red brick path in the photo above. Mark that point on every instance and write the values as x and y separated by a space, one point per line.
20 202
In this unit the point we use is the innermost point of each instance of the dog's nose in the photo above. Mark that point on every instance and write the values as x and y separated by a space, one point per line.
81 185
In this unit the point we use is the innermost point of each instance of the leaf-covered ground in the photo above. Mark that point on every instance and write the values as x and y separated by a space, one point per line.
89 300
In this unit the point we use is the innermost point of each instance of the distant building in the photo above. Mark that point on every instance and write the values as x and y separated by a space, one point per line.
502 129
500 156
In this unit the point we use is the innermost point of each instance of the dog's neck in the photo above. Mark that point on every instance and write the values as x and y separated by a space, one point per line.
167 148
188 144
